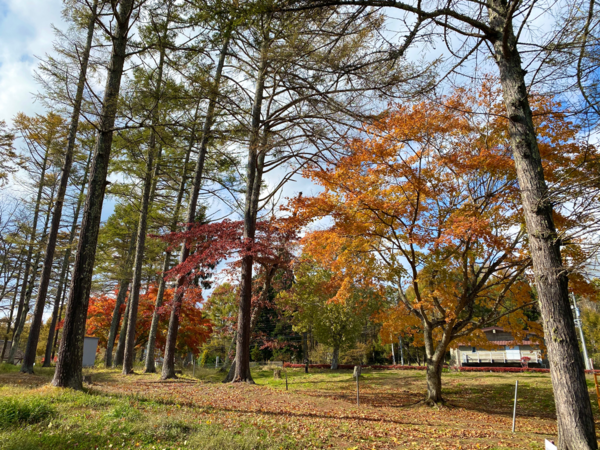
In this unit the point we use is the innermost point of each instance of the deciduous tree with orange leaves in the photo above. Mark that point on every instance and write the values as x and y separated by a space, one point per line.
430 190
195 329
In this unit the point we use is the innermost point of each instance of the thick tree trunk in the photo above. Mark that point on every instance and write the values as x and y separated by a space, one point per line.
36 324
335 358
68 370
120 353
256 156
64 269
140 246
434 381
575 421
168 369
114 323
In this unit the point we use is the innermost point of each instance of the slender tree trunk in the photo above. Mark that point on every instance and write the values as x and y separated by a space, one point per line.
12 310
122 336
150 367
576 428
68 370
116 319
60 313
65 268
305 346
149 188
335 358
256 156
168 369
116 316
36 324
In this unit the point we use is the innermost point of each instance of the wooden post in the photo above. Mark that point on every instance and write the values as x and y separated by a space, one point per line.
357 373
286 383
193 366
515 406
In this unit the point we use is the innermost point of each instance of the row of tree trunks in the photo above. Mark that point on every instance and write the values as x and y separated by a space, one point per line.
68 371
149 365
38 313
140 246
27 303
168 369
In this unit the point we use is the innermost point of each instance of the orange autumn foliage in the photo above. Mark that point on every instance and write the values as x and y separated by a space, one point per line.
430 192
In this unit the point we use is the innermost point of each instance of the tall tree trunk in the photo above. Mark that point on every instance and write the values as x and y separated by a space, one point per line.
149 186
434 359
256 157
68 370
576 430
12 310
65 267
36 324
168 369
150 367
119 354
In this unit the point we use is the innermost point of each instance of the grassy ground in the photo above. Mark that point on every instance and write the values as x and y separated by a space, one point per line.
317 411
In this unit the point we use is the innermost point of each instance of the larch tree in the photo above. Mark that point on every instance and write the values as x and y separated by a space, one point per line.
68 370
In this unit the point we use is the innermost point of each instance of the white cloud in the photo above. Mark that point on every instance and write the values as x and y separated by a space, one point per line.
25 32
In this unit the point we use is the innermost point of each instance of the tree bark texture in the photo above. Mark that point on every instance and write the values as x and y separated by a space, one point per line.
68 370
168 369
36 324
575 421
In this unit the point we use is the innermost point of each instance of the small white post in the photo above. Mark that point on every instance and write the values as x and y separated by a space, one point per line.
515 407
357 390
217 363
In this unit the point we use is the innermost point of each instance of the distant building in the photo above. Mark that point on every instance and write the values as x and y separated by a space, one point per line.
502 351
18 353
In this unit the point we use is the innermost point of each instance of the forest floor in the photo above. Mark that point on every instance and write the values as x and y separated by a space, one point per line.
317 411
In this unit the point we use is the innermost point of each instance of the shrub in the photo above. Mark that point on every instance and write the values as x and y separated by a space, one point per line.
26 410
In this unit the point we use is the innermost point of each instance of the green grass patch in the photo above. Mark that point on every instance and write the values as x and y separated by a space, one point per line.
26 410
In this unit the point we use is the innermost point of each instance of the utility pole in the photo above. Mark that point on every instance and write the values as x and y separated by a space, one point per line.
578 324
